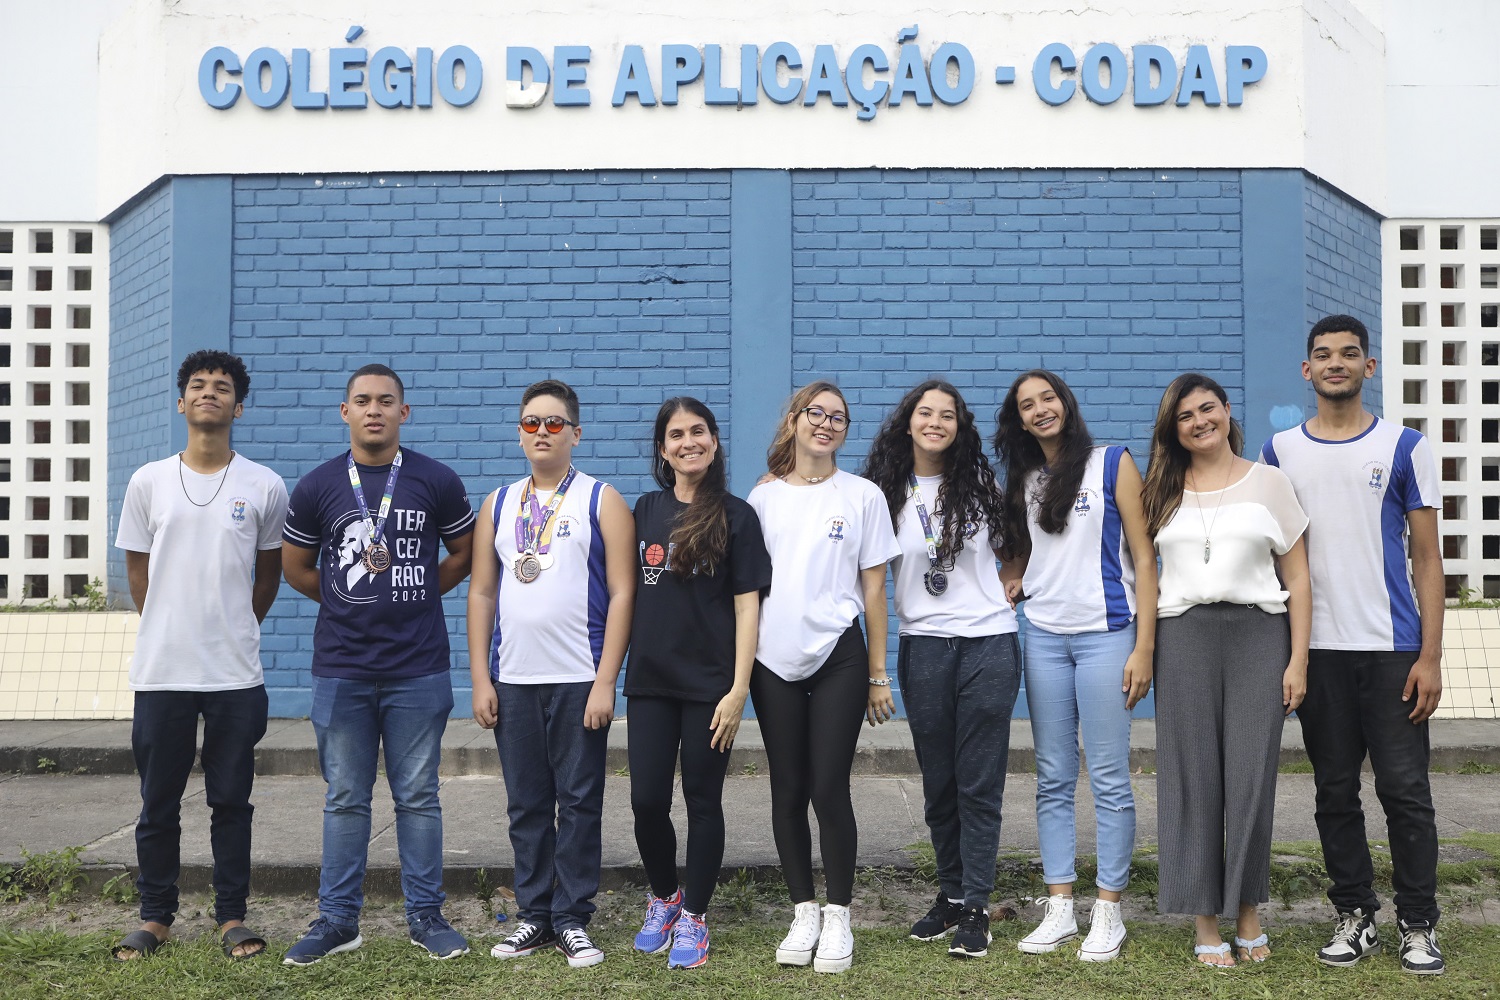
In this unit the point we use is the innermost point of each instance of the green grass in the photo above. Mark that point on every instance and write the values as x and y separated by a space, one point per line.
1156 963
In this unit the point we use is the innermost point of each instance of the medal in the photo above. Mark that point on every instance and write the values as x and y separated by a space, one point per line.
534 525
936 582
377 558
528 567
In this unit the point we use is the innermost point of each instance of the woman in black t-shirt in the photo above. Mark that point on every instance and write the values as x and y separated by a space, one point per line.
697 611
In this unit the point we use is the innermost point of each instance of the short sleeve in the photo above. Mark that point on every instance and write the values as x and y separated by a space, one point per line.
274 522
302 525
1281 502
1268 453
749 562
135 534
1416 475
455 515
878 539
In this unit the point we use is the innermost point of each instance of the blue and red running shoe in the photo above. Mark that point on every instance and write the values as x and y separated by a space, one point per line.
689 943
661 916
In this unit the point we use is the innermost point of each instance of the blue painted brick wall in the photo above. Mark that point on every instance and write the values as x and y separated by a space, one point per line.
473 286
140 294
1343 265
1118 279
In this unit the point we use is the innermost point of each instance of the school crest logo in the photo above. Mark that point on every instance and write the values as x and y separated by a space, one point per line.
1084 503
238 510
836 526
564 527
1376 475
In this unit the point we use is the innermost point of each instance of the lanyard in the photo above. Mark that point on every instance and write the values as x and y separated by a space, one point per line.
377 528
533 524
916 494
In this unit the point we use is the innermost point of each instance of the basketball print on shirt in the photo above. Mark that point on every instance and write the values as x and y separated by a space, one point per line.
655 559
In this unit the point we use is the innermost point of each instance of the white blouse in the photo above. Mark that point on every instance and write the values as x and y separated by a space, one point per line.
1245 527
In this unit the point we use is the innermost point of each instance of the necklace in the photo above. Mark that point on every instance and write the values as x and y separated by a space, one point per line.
1208 526
216 492
813 480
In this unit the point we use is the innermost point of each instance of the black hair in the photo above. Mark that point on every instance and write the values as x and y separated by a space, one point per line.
1339 323
383 372
701 532
214 361
1020 453
553 387
968 495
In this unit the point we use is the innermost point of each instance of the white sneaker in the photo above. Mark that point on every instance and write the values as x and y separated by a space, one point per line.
1106 933
836 942
802 940
1057 927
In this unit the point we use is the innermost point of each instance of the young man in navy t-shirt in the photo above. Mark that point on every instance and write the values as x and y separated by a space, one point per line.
361 539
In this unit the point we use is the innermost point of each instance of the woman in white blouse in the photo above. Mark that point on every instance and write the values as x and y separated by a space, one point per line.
1231 660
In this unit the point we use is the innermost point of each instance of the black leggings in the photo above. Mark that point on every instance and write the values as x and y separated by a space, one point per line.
810 728
657 728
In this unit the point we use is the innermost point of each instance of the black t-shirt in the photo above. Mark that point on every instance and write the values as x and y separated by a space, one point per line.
682 635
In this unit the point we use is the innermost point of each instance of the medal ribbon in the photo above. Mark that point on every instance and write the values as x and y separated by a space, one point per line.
533 524
377 527
916 494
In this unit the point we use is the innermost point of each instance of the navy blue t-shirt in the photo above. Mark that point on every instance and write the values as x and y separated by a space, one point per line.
386 626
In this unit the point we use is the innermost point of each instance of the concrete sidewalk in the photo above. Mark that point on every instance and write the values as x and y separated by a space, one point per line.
289 747
96 811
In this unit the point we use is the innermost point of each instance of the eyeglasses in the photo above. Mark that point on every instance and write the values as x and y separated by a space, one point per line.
554 425
817 416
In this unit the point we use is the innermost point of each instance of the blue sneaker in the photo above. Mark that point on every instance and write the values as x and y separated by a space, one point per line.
323 938
661 915
429 930
689 943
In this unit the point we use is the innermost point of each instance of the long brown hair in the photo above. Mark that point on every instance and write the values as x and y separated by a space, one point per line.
781 457
1162 493
700 534
1019 452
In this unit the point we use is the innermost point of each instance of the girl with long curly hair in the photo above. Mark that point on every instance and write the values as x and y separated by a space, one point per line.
1078 553
1231 660
697 609
814 678
959 664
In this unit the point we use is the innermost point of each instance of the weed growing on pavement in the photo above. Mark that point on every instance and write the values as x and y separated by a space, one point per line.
51 875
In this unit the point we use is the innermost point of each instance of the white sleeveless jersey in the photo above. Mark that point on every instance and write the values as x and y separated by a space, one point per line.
551 631
1082 579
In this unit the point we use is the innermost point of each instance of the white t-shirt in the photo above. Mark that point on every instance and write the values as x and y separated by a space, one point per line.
1248 524
1357 494
198 630
1082 579
974 603
819 538
551 630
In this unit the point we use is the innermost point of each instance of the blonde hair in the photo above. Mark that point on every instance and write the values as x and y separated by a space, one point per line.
781 457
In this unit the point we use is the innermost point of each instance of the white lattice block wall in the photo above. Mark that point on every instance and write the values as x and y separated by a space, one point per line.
54 325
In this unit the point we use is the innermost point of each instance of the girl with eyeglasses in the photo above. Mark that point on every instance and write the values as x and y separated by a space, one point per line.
697 610
1078 553
959 664
1231 661
829 535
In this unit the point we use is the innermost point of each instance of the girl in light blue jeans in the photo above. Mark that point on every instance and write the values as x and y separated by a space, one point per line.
1078 554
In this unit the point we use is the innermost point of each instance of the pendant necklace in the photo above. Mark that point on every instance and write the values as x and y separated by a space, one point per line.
211 499
1208 526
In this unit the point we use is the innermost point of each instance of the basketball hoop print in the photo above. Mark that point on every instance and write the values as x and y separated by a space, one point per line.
652 557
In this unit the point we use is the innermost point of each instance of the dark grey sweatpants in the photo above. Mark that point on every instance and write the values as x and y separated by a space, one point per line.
959 694
1218 735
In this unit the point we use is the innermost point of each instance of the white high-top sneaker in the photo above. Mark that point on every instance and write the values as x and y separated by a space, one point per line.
1057 927
1106 933
836 942
802 940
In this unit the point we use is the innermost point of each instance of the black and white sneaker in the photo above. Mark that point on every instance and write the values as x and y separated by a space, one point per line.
575 943
1353 938
526 939
940 920
1419 950
972 940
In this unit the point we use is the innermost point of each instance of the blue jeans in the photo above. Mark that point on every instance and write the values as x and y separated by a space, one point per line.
554 789
352 719
1073 685
164 736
